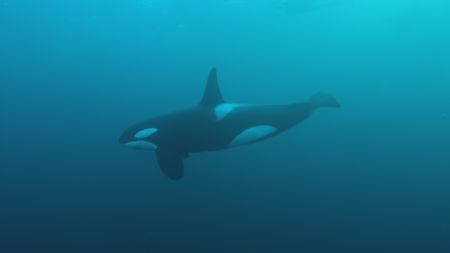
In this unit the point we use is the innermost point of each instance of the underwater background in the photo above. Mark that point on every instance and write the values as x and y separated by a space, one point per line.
373 176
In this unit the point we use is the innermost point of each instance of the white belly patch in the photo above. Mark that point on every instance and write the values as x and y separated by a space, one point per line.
252 134
222 110
144 133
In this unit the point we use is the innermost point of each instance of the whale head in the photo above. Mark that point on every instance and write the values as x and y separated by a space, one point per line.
139 138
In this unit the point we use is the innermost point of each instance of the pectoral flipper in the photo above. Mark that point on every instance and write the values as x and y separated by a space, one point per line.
170 162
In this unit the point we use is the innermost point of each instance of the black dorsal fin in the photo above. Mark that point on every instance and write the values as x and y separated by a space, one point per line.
212 95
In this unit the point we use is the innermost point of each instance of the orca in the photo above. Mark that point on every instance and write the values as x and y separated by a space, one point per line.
215 124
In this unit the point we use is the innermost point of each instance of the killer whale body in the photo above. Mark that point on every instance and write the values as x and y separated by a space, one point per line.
215 124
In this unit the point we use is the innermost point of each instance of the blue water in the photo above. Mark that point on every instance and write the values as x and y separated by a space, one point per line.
372 176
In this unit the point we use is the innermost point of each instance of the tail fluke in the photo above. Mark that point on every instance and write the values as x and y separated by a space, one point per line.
322 99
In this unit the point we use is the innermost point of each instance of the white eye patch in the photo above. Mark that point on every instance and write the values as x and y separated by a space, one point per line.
145 133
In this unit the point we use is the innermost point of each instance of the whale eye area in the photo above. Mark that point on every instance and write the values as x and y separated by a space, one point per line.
145 133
